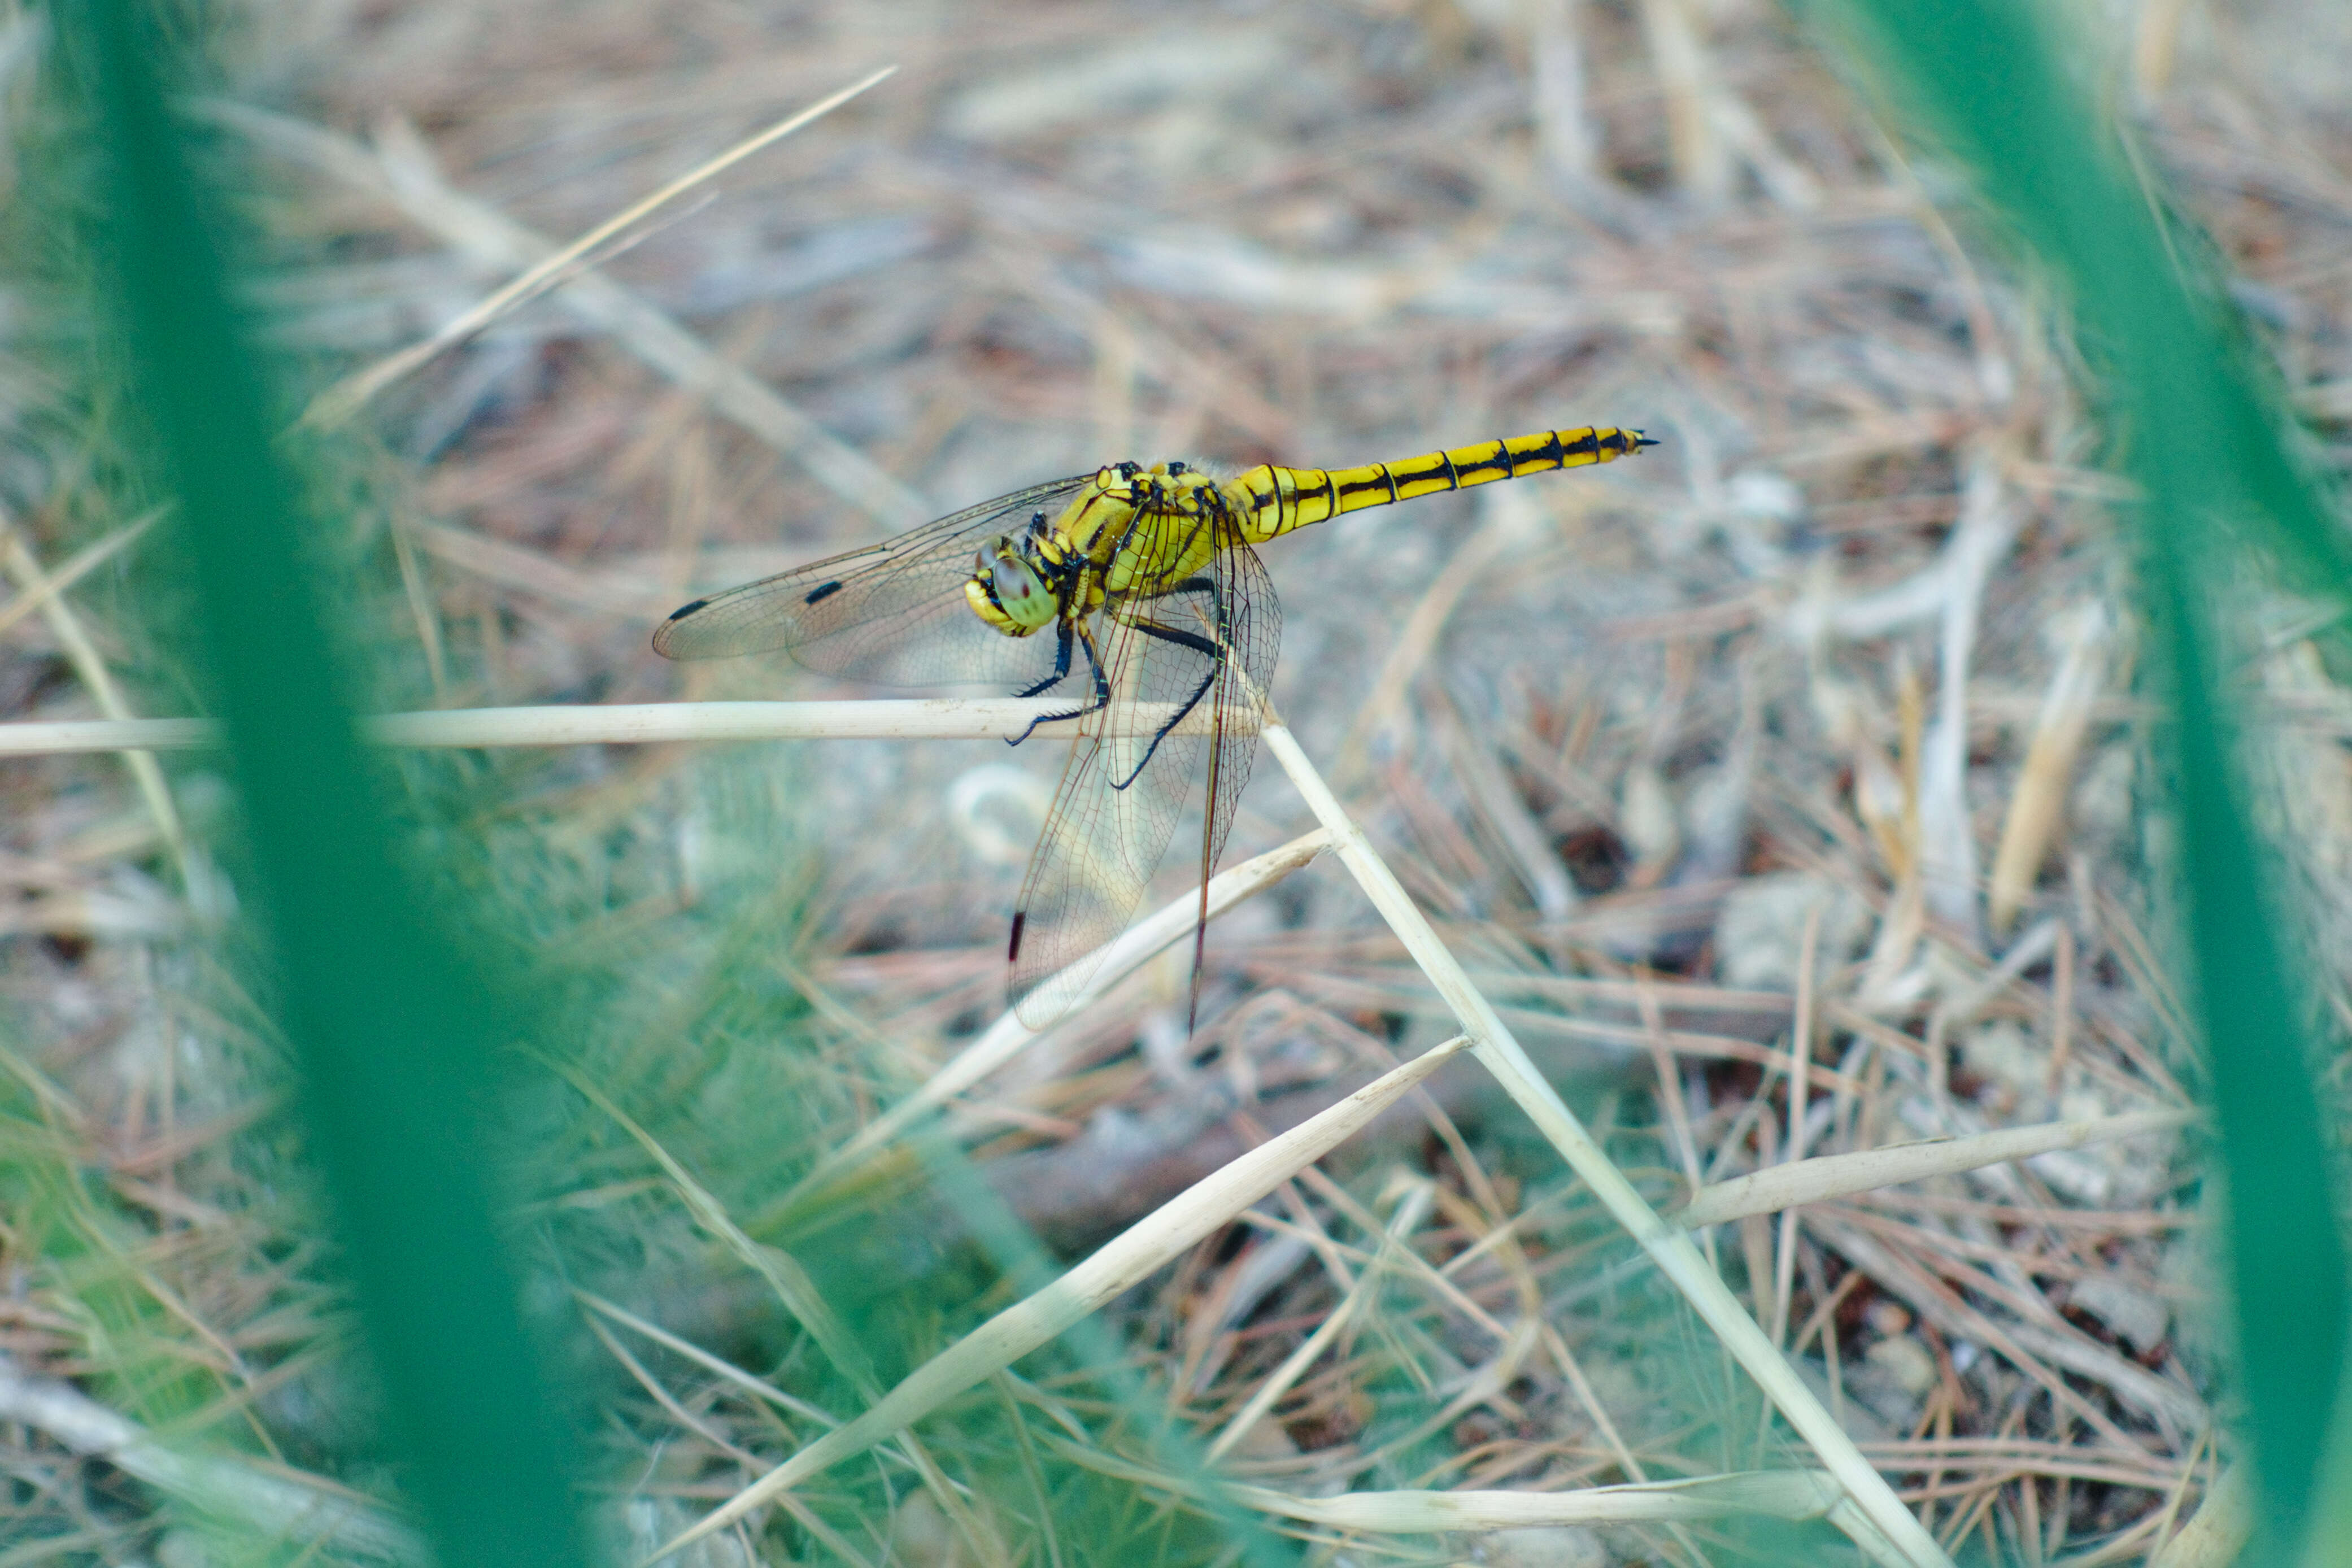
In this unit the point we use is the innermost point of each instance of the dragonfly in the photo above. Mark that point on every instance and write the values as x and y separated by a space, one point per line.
1131 598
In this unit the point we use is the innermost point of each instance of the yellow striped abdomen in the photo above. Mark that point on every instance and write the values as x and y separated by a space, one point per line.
1271 501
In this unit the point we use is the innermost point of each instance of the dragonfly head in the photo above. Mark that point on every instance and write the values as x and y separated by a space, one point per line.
1008 592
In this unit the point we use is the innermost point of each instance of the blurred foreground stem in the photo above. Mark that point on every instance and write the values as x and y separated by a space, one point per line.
395 1043
2195 422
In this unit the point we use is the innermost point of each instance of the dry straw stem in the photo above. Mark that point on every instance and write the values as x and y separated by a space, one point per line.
1667 1245
315 1513
346 397
2039 801
1009 1037
1140 1251
1794 1138
626 724
1780 1494
2218 1531
1510 517
1922 1288
400 172
800 1294
69 737
1830 1176
1410 1211
83 565
38 588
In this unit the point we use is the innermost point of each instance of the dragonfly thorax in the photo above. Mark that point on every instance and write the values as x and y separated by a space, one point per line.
1132 529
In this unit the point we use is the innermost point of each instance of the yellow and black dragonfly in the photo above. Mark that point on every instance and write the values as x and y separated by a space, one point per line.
1134 595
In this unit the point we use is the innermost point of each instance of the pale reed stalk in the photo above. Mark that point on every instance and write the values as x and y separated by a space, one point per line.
1876 1510
1132 1256
622 725
1800 1181
341 401
1009 1037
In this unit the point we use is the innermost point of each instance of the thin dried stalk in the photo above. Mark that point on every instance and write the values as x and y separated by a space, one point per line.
1669 1246
90 668
623 724
2218 1531
1830 1176
1801 1059
272 1503
83 563
70 737
2039 801
1009 1037
1138 1251
345 399
404 175
1408 1217
1780 1494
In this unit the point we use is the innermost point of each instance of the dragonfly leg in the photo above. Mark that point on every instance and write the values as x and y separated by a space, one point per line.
1102 684
1061 664
1198 645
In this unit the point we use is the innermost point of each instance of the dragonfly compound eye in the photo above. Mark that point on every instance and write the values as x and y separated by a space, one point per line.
1018 589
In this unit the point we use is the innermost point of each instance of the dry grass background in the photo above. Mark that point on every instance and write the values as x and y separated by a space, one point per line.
1843 667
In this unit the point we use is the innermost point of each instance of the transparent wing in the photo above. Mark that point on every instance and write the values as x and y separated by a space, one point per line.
1253 635
892 613
1203 646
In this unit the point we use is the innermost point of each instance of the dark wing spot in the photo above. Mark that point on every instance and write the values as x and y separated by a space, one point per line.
684 610
1012 955
822 591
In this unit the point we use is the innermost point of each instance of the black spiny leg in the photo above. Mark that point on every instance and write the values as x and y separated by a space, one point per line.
1102 683
1061 664
1213 652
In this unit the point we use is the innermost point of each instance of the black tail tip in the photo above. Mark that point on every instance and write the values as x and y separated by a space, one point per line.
1640 440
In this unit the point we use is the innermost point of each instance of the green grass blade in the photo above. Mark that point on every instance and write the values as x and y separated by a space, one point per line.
395 1045
2203 433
